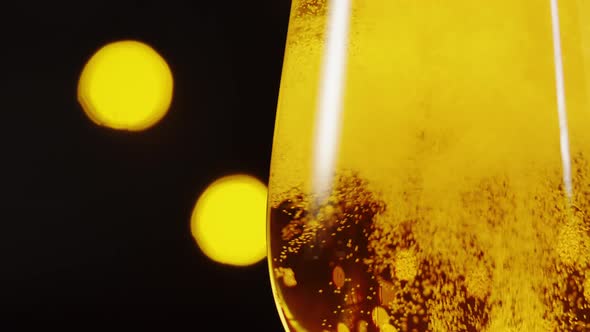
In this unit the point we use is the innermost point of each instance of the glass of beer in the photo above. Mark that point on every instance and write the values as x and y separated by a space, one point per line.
431 167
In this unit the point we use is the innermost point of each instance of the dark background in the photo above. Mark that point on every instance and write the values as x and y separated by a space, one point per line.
95 222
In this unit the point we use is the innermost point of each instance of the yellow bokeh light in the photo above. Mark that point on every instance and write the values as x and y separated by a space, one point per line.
126 85
229 220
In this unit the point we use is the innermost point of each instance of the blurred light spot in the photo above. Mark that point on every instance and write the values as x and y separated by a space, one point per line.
229 220
338 277
125 85
341 327
363 326
380 316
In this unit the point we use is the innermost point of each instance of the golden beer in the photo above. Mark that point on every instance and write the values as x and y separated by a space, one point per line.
431 167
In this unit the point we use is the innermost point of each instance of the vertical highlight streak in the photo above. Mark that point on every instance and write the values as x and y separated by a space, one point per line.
332 82
561 104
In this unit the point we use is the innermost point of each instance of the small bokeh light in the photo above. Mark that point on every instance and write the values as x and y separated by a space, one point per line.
229 220
126 85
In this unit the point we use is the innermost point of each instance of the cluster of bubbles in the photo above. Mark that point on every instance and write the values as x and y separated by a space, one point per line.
353 264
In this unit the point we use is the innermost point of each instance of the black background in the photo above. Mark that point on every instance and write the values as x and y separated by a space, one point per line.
95 222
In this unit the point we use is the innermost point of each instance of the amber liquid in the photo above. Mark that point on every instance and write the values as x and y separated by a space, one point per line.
452 206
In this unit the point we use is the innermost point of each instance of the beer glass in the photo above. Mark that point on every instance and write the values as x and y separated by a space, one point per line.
430 167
